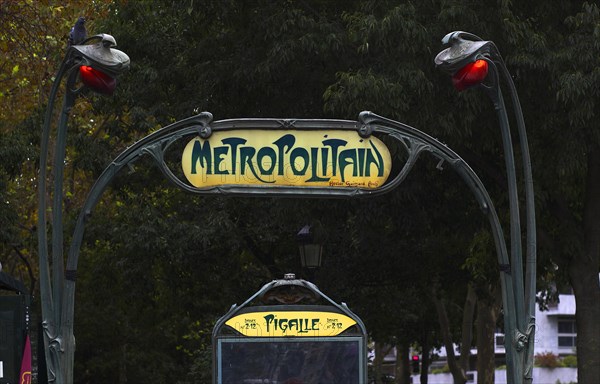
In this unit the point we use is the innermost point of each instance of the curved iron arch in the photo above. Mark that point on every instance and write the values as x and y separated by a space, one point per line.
415 142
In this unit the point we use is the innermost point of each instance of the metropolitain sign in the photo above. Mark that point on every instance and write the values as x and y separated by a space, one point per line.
303 158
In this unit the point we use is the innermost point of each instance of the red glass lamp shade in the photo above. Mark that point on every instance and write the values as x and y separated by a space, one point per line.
470 75
97 81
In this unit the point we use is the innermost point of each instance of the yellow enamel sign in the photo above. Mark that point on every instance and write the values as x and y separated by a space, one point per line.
319 158
290 323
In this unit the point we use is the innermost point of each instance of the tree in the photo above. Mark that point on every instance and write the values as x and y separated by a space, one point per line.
559 46
30 53
32 50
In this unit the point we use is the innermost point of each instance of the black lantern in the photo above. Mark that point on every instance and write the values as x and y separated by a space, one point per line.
465 59
463 48
101 63
311 248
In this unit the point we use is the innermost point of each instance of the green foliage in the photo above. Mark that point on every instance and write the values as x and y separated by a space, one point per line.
201 369
570 361
444 369
31 50
17 156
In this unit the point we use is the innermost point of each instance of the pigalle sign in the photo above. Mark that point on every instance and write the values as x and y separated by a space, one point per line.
291 323
301 158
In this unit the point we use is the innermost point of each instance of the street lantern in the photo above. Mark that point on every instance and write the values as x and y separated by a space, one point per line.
96 63
468 59
310 247
101 63
102 55
464 59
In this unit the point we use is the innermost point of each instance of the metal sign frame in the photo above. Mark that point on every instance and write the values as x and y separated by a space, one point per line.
414 141
356 333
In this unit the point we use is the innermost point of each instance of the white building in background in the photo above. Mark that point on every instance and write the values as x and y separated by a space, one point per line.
556 332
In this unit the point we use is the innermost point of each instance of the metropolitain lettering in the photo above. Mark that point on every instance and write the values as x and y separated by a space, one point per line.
332 159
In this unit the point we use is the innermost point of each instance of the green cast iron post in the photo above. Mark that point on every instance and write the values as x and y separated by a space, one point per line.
463 49
57 286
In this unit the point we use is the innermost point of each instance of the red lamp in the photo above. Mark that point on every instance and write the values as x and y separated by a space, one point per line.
97 81
470 75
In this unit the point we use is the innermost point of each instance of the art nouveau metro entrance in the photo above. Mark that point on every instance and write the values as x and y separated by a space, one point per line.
285 157
289 332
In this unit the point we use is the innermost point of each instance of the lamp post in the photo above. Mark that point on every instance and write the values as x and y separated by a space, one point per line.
473 62
96 63
310 246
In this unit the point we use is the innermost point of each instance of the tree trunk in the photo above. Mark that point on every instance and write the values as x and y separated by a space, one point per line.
487 315
467 328
123 365
425 358
583 271
402 368
377 362
458 374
